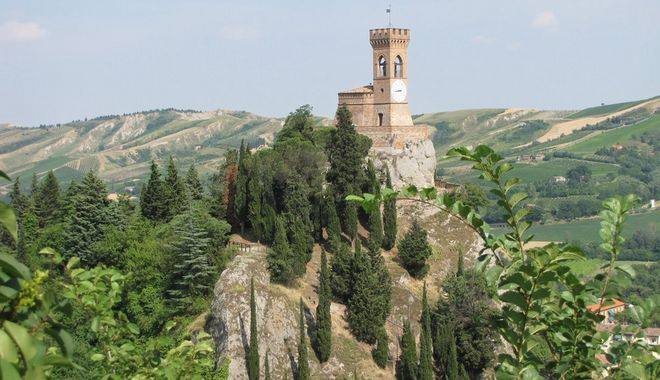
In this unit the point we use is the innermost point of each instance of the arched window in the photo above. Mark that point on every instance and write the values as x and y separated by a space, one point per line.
398 67
382 66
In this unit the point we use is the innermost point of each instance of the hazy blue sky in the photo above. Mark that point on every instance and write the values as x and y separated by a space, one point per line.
63 60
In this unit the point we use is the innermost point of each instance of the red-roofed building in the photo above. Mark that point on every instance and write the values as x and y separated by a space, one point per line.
608 309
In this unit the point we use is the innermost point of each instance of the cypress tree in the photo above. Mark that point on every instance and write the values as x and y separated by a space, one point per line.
342 271
452 371
297 206
195 188
407 366
152 197
242 180
280 257
254 208
266 368
425 371
323 318
174 191
414 250
369 301
89 216
253 350
48 201
303 365
333 226
34 188
381 351
193 272
350 219
389 217
375 231
459 265
445 355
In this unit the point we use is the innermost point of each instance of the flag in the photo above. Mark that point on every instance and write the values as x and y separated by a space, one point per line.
388 10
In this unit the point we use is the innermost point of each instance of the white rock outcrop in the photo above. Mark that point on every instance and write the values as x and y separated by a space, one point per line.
412 165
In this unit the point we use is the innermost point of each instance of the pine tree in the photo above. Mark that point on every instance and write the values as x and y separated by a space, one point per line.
152 197
195 188
303 365
18 200
34 188
342 271
89 216
407 365
389 217
369 300
266 368
280 258
47 202
414 250
323 318
253 349
425 371
174 191
381 352
193 272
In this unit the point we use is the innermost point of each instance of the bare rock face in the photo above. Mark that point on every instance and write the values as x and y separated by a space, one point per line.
412 165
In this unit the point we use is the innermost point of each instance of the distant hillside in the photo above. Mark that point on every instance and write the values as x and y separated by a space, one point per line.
121 147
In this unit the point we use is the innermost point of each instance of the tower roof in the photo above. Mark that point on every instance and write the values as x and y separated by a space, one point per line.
388 36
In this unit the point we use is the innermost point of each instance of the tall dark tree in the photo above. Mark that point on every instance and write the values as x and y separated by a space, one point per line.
253 349
152 197
174 191
342 271
375 240
195 188
407 365
280 257
389 217
193 273
369 301
47 202
452 370
241 197
266 368
297 210
255 215
303 364
223 188
346 153
333 226
467 310
90 214
21 205
414 250
323 317
381 351
425 371
34 187
19 202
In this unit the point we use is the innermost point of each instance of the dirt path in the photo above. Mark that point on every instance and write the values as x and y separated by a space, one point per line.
571 126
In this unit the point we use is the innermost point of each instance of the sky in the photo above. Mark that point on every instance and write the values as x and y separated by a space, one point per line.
65 60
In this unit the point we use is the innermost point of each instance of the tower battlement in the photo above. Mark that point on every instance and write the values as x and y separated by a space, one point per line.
389 36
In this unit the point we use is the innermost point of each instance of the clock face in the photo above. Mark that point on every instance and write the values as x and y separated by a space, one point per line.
398 91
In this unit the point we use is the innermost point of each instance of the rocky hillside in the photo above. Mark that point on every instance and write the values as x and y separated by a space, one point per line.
277 306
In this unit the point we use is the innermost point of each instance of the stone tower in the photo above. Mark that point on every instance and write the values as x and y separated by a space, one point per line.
380 111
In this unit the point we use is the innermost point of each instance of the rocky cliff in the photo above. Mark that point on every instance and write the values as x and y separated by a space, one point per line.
277 306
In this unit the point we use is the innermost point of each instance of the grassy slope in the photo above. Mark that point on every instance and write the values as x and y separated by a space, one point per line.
587 230
614 136
606 109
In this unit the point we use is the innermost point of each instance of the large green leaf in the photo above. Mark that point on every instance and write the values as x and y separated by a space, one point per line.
8 219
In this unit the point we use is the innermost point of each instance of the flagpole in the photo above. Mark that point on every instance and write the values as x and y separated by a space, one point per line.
389 15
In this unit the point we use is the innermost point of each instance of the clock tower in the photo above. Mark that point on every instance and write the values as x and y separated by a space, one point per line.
390 84
380 111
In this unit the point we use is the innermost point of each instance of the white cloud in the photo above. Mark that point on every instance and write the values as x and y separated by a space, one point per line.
480 39
239 32
16 31
545 20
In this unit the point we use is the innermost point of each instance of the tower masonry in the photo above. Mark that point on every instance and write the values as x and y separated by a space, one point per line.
380 111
